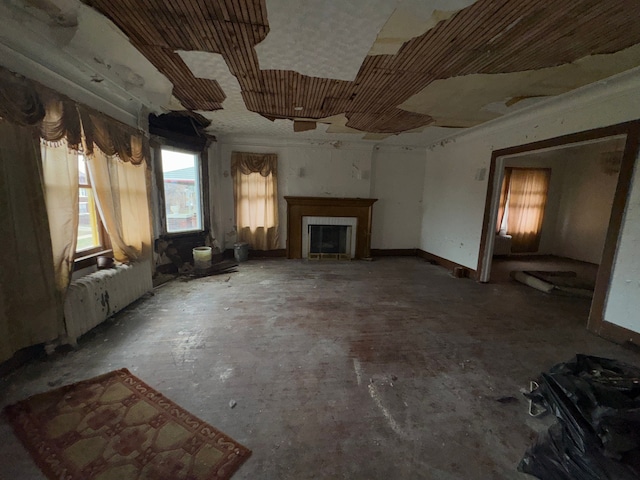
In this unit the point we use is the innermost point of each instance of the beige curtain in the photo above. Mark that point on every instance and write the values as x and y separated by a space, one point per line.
528 191
60 172
255 190
121 197
35 262
504 194
30 304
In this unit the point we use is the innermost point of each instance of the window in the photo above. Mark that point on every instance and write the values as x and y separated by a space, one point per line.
182 191
522 202
255 190
256 202
92 237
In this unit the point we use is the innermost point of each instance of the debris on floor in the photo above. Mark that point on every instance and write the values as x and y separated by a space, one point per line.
507 400
597 435
562 282
221 268
162 278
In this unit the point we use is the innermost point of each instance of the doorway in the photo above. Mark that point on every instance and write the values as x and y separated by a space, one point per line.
618 143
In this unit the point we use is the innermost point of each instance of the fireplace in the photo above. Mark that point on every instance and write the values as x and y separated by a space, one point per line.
354 213
329 242
329 237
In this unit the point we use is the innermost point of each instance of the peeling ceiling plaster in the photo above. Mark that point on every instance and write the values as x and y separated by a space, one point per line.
473 99
338 124
306 60
329 38
233 118
411 19
361 69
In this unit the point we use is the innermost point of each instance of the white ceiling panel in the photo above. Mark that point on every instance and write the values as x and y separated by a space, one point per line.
322 38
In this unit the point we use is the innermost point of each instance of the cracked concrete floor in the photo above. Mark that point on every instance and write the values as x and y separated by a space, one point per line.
362 370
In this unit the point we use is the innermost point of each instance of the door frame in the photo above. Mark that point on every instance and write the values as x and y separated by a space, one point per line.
596 322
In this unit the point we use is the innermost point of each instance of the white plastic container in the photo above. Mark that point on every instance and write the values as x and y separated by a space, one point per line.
202 258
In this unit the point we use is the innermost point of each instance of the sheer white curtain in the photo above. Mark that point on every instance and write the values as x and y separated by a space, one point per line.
60 172
30 303
528 190
121 196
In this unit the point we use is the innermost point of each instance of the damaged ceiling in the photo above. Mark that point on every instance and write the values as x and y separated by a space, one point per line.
360 69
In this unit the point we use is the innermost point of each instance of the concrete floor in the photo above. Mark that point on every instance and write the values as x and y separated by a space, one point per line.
388 369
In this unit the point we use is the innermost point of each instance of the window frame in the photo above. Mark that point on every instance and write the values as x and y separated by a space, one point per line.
202 170
88 256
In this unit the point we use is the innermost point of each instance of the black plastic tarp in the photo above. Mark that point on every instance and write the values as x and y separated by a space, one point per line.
597 436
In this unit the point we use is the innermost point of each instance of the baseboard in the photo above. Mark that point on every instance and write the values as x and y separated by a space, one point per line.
459 270
394 252
615 333
279 253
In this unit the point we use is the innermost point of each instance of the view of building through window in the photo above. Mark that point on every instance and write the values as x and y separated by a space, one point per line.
89 232
181 178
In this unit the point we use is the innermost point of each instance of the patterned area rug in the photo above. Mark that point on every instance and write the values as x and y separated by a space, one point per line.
116 427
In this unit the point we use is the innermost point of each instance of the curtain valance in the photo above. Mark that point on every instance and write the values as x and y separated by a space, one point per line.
28 103
60 121
19 101
245 163
112 139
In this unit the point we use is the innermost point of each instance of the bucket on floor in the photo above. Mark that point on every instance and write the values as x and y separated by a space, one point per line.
241 252
202 258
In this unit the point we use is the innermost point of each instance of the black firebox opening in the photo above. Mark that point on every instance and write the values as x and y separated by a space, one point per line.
328 239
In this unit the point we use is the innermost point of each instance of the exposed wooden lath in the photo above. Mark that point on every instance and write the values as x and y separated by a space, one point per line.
490 36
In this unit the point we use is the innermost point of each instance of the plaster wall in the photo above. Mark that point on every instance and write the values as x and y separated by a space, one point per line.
321 169
455 187
585 208
623 301
397 178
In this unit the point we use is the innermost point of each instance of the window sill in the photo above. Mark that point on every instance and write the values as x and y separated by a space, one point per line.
186 234
90 259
